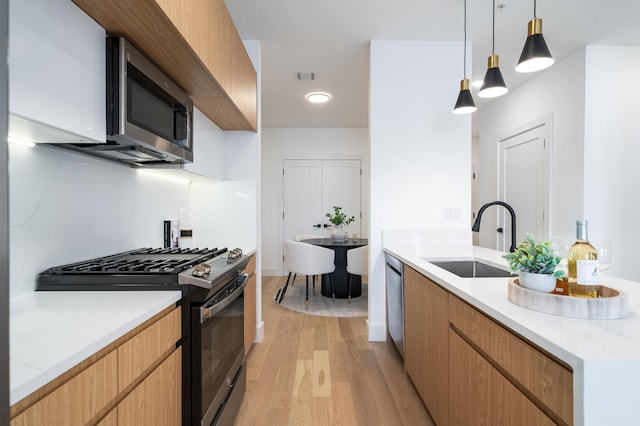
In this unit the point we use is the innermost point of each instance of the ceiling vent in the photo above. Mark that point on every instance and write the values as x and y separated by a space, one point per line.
305 75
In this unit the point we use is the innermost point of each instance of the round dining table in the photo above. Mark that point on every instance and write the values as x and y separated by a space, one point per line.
340 275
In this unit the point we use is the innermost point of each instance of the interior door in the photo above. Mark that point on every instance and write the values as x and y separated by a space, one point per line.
524 184
341 183
302 198
310 190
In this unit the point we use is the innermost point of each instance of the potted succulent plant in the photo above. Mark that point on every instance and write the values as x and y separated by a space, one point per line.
536 263
339 220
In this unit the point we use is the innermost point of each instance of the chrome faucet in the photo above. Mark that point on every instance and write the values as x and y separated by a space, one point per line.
476 224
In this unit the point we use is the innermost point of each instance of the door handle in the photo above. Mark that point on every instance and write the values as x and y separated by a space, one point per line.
317 225
499 230
326 225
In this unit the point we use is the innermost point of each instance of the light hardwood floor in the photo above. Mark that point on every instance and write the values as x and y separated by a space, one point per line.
312 370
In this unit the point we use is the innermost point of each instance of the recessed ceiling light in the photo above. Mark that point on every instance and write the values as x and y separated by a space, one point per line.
318 97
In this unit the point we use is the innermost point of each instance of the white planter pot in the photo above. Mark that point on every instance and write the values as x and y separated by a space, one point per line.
538 282
337 233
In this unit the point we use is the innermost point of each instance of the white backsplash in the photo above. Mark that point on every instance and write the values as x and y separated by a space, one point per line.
66 207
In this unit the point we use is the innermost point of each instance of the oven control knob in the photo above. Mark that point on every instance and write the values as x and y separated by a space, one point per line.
198 271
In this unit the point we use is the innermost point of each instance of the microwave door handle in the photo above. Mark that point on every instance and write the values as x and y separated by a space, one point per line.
182 137
207 312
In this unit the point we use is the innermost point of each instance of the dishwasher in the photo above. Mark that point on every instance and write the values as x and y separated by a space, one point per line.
395 301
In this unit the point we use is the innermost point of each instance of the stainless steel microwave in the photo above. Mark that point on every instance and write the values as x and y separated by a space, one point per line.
149 118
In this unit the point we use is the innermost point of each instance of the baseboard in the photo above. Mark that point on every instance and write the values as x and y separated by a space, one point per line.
259 332
270 272
376 332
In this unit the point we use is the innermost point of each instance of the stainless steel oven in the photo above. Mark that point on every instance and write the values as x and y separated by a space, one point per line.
219 372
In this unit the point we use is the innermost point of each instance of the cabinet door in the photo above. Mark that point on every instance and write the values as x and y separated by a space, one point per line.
157 400
426 341
57 62
480 395
414 341
77 401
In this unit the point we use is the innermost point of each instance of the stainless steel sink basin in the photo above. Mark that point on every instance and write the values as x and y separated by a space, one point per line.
470 268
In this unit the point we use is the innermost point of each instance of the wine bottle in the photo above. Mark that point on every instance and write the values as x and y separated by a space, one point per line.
583 264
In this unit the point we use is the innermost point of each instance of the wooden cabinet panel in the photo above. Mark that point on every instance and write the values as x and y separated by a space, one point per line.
157 400
414 349
436 319
542 376
250 306
480 395
140 352
427 341
110 419
77 401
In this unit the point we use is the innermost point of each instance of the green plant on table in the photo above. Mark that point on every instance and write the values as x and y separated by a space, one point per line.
338 217
537 258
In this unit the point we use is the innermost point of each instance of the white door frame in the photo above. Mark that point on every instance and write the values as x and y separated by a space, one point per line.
544 126
364 193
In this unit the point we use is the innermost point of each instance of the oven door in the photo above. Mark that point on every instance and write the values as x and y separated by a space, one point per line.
218 354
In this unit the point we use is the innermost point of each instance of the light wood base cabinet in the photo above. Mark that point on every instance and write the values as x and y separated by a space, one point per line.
426 341
469 369
250 306
531 373
134 381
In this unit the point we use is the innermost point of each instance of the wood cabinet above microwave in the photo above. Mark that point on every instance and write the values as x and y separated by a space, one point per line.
196 44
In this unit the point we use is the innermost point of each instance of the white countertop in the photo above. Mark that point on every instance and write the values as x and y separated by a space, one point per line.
51 332
604 354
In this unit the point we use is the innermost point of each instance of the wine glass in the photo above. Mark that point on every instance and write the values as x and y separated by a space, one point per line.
561 248
605 254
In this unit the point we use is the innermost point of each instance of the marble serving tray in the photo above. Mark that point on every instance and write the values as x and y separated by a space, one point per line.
611 303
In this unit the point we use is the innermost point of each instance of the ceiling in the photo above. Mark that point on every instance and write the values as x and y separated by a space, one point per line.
331 38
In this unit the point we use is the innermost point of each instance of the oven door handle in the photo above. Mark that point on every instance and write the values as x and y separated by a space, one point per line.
207 312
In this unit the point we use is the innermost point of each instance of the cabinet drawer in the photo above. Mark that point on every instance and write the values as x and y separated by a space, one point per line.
157 400
77 401
141 351
535 373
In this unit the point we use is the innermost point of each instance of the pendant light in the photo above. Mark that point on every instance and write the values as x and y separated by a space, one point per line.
493 84
535 54
465 104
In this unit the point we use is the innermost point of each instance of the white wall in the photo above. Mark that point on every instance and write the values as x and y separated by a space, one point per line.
612 152
420 151
595 145
279 144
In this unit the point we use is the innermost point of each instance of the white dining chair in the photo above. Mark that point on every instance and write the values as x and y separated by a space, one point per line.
357 264
309 260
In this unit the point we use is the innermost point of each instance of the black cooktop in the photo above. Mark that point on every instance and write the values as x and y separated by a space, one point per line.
144 266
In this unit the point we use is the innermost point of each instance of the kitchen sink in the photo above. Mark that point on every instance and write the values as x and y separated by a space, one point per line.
469 268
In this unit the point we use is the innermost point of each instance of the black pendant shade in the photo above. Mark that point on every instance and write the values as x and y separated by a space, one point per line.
535 54
464 104
493 84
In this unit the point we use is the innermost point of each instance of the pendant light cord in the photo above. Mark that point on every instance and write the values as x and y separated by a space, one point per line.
465 41
534 9
493 37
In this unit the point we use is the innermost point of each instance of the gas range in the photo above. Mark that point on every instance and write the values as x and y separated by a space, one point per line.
212 283
147 267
